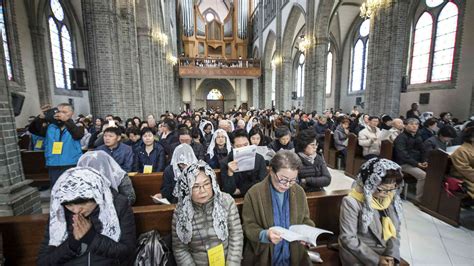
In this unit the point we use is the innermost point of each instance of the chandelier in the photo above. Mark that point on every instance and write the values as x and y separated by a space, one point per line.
161 37
304 44
172 59
369 8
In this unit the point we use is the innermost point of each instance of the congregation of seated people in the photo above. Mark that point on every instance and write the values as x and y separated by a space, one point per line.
89 164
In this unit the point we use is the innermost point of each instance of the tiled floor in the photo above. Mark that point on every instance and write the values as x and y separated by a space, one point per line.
426 240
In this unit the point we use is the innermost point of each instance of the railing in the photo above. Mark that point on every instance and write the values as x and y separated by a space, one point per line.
207 67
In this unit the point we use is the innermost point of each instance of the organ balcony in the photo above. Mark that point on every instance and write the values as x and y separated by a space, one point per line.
219 68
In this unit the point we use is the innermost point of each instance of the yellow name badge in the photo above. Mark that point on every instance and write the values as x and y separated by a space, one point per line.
216 255
39 144
147 169
57 147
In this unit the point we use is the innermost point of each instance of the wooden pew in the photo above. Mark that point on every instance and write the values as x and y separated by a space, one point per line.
24 234
329 150
436 200
34 167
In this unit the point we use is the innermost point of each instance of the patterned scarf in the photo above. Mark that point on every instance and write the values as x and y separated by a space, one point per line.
369 178
184 212
85 183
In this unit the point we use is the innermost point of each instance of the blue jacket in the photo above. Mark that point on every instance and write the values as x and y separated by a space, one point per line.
122 154
34 141
156 158
71 150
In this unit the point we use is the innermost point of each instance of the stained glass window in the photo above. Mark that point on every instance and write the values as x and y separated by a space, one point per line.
359 57
329 73
421 49
300 76
432 56
61 46
215 94
444 43
6 47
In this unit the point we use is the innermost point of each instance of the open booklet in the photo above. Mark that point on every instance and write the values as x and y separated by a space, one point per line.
245 158
160 201
300 232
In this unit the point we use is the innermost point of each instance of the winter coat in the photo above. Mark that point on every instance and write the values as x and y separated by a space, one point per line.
315 174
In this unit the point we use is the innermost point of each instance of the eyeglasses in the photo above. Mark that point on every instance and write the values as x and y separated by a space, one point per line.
205 186
387 190
284 181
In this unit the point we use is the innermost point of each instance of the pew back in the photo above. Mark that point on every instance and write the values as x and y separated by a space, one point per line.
34 167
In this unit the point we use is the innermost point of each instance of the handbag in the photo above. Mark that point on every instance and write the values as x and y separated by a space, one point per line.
452 185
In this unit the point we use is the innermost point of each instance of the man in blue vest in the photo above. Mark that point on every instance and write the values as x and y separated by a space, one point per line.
62 138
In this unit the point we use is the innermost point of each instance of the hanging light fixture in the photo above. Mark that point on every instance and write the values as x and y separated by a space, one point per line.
369 8
172 59
304 44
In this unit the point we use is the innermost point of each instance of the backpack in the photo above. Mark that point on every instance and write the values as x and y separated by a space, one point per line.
153 250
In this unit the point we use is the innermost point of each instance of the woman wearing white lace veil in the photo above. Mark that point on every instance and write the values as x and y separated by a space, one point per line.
183 156
110 169
87 224
370 216
205 218
219 148
207 129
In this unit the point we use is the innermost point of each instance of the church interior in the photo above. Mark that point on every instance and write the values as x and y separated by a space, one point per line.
278 63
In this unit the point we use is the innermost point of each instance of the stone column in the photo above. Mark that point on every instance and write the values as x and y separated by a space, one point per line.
186 90
38 35
238 89
16 196
243 91
266 96
387 58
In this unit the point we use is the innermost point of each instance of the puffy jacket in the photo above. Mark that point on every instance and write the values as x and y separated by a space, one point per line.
277 146
340 138
156 158
370 141
408 149
195 253
71 150
315 174
93 249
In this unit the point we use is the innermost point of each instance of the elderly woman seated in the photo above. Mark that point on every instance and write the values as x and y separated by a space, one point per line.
370 216
275 201
87 225
313 173
206 223
110 169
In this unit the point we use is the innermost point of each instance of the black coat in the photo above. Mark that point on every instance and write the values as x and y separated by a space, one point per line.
93 247
168 185
408 149
316 175
156 158
242 180
277 146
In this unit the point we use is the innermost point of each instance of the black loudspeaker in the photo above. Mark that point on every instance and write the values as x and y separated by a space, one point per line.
294 96
79 80
17 103
424 98
404 85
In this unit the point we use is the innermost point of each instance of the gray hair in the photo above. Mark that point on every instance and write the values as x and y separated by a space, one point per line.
412 121
285 159
66 105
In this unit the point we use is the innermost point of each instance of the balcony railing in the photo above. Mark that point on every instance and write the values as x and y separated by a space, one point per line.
223 68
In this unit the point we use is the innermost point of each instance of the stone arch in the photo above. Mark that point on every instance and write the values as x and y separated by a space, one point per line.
225 87
265 98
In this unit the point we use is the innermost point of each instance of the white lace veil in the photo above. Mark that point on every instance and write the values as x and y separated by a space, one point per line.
105 165
203 124
210 149
84 183
184 212
183 153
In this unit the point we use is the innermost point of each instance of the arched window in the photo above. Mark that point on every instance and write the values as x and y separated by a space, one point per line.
215 94
61 45
359 57
6 46
300 76
434 41
329 72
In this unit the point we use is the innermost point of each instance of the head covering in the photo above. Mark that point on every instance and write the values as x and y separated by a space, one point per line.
369 178
425 116
203 124
250 123
183 153
84 183
105 165
210 149
386 118
184 212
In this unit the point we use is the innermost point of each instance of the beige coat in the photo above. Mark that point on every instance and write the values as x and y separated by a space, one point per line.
370 141
257 215
463 162
358 248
